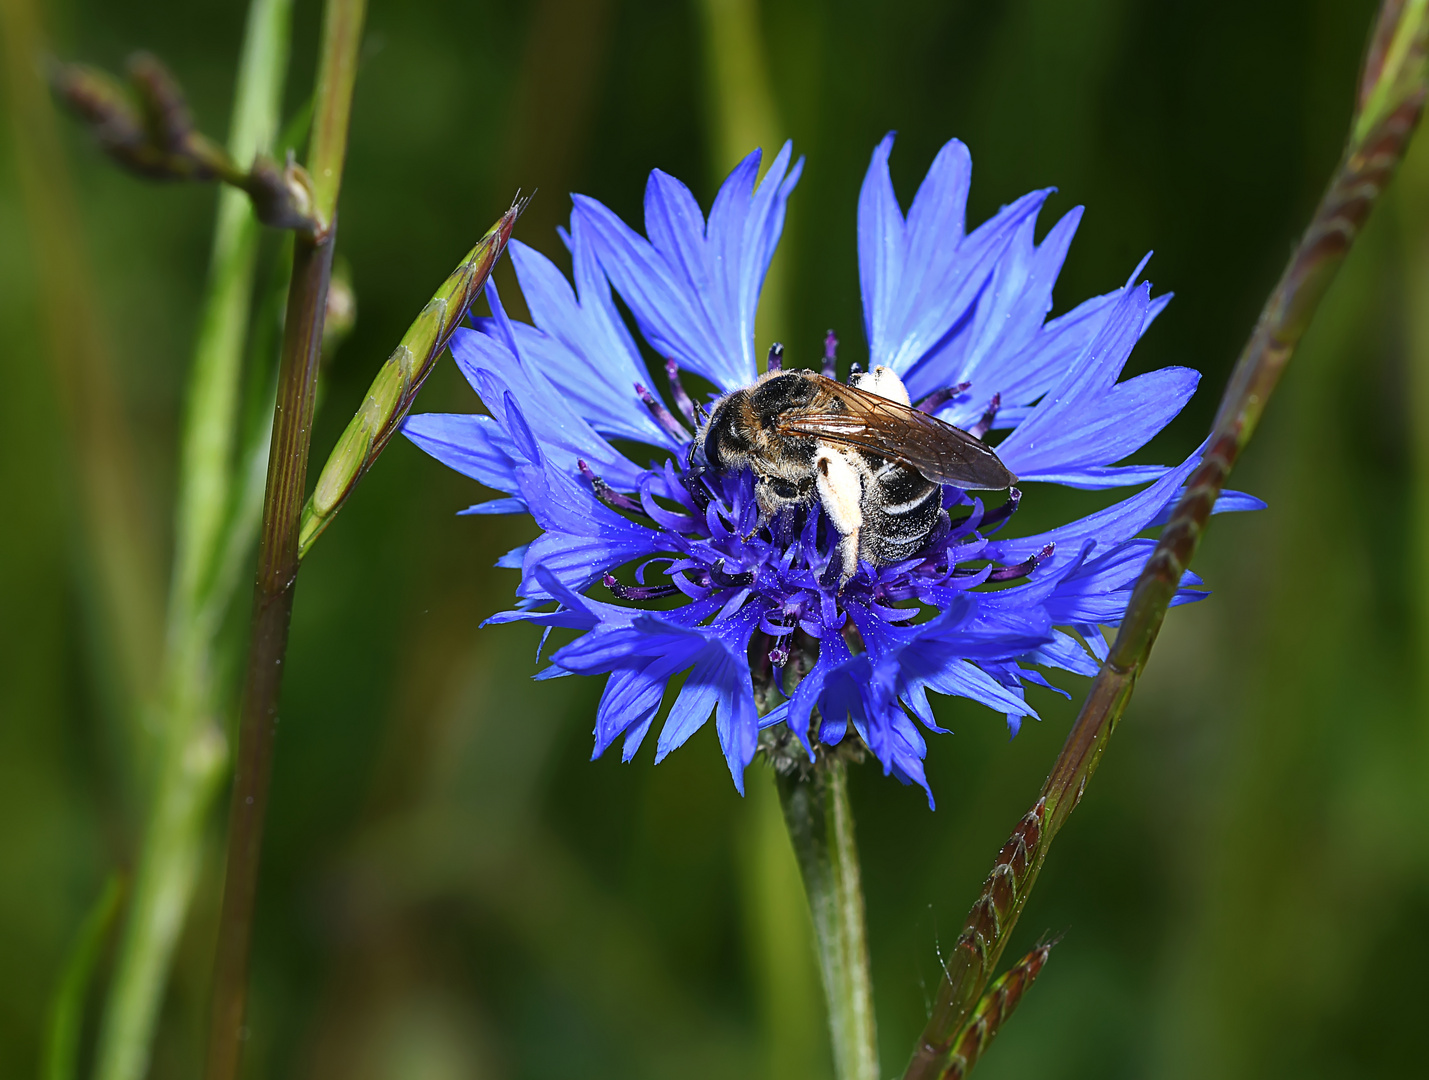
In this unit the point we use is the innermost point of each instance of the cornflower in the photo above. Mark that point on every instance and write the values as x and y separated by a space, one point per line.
772 632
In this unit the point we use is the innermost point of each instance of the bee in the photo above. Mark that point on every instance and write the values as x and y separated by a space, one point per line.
875 463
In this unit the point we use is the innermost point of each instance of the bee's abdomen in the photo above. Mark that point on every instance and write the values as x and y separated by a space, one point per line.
901 508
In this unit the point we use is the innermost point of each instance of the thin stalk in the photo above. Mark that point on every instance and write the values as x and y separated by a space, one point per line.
820 823
192 746
1391 97
66 1019
278 551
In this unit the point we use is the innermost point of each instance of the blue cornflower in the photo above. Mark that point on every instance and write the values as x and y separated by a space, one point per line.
759 614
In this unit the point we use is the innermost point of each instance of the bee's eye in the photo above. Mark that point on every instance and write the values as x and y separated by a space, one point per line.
783 488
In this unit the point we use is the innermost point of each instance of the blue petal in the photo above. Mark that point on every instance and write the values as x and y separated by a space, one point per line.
1228 502
720 678
987 350
472 445
1113 425
1099 477
575 611
492 369
496 506
1089 419
920 277
1104 529
583 537
512 559
630 700
693 288
1067 653
582 345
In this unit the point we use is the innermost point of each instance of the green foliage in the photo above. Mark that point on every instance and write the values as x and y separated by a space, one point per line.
447 893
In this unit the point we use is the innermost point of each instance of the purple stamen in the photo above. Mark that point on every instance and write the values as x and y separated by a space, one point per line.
677 391
729 581
938 398
854 371
1022 569
983 426
637 592
608 495
831 348
994 519
776 358
662 415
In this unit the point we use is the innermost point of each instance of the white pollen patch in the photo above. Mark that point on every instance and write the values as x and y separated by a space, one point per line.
884 382
841 492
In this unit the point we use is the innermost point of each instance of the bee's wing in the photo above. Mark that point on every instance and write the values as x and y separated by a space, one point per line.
890 429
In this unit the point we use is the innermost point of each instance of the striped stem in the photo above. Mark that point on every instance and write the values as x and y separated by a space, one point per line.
1391 97
994 1010
278 550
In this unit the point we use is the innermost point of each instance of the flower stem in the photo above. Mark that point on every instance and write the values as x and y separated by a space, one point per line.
192 750
820 822
1391 97
278 551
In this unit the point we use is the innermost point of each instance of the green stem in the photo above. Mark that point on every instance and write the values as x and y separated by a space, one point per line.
1391 97
278 551
820 822
193 751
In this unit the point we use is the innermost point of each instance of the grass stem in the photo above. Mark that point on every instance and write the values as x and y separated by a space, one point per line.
278 546
192 751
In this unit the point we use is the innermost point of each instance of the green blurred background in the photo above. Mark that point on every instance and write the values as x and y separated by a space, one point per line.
450 888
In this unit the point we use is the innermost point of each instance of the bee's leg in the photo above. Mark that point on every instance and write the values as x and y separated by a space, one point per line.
766 502
765 499
841 492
